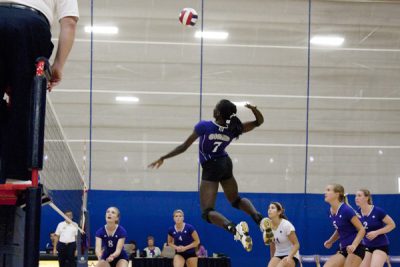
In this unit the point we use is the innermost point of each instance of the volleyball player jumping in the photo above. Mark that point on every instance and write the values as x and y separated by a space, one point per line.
215 136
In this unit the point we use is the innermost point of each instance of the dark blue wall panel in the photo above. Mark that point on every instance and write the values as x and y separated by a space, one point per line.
150 213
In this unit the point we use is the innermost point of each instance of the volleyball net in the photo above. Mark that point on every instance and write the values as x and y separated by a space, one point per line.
62 180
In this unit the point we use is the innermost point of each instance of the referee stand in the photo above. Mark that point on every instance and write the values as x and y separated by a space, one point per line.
20 227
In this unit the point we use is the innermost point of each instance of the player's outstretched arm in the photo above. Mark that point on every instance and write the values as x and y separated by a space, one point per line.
176 151
250 125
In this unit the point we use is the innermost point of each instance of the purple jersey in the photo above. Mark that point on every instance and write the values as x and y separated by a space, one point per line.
372 222
342 223
184 237
213 140
109 243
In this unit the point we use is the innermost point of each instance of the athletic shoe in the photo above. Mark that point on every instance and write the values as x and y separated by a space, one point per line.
268 235
242 234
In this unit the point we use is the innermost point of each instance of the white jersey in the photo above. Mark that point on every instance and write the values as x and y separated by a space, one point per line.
67 232
283 246
51 8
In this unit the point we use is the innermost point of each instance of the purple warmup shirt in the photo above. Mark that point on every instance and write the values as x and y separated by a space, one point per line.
184 237
109 243
213 140
372 222
342 222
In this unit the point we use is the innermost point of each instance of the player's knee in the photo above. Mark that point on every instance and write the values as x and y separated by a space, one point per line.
205 214
236 202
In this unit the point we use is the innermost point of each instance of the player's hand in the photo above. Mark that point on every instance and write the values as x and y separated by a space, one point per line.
156 164
372 235
249 106
287 259
327 244
350 249
54 251
56 76
110 258
180 249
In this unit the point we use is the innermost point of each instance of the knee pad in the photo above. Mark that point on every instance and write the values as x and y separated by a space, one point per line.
205 213
236 202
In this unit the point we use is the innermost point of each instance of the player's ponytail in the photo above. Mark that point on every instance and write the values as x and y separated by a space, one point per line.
346 199
235 125
228 111
342 197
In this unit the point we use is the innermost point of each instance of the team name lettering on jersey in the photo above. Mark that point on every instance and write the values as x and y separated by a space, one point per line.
222 137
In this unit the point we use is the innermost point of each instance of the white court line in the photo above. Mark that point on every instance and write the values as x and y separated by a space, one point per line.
66 90
78 40
141 142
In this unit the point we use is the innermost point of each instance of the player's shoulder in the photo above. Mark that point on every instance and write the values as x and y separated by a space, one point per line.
286 223
346 208
205 123
101 231
379 210
189 226
121 229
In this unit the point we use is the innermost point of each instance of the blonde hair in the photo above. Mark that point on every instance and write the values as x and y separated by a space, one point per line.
118 213
338 188
178 211
367 194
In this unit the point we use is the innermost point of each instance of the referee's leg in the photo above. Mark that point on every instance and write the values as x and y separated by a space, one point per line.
71 254
62 254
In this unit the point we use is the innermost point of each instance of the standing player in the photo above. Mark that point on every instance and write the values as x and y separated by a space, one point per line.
184 239
110 240
285 248
349 230
215 136
377 224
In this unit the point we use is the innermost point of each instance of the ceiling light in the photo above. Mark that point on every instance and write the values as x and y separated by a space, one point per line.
212 35
102 29
125 158
311 159
271 160
380 152
127 99
327 40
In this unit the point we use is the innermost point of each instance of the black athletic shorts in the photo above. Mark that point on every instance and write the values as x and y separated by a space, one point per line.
187 255
296 260
383 248
360 252
115 261
216 170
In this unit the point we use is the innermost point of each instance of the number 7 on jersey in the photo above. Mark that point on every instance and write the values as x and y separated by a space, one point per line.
216 146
